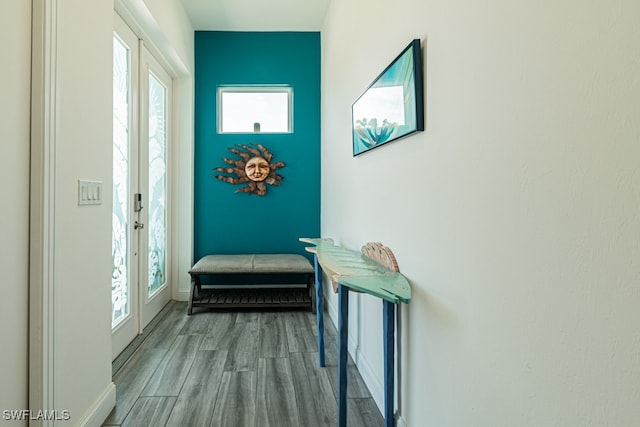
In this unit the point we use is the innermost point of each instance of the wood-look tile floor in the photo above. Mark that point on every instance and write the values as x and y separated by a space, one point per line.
236 369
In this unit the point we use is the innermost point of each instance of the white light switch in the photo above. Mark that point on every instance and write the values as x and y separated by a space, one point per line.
89 192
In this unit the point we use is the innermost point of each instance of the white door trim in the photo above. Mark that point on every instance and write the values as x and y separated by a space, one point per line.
41 222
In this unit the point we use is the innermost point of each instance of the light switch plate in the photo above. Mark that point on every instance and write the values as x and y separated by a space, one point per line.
89 192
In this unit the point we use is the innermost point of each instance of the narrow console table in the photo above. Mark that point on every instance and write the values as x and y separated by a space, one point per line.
373 271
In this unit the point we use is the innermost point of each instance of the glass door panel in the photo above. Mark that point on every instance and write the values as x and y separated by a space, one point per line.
157 186
154 176
124 294
120 284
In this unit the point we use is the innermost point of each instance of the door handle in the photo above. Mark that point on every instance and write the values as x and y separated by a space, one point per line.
138 225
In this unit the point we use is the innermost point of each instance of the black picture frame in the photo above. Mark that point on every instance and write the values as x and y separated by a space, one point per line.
392 107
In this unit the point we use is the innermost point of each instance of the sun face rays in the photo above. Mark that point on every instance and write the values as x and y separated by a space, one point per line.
254 167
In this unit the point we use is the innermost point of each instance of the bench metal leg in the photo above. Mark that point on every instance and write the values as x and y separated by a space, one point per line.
190 306
196 290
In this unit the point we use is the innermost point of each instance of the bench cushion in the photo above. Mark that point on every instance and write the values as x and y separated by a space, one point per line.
281 263
254 264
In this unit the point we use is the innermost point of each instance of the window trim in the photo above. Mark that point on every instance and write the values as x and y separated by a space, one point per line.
254 89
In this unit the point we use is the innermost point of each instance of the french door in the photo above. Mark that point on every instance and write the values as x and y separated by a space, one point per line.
140 220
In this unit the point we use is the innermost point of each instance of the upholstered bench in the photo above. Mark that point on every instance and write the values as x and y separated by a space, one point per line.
255 295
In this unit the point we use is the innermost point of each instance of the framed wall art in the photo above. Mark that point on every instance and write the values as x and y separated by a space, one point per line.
392 107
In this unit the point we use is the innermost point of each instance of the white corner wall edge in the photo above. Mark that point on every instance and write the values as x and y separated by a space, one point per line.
101 408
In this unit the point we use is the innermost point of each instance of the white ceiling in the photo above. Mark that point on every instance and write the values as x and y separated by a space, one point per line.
256 15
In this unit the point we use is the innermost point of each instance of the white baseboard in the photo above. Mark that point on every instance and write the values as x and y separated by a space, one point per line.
332 312
101 408
374 384
400 422
183 294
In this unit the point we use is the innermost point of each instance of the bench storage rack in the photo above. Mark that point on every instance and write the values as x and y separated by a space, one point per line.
255 295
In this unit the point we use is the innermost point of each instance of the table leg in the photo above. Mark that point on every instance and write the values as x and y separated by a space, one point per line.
388 326
319 309
343 359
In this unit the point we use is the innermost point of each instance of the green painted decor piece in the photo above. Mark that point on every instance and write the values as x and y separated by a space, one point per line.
360 272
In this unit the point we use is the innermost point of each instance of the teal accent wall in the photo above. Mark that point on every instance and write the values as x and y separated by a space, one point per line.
226 222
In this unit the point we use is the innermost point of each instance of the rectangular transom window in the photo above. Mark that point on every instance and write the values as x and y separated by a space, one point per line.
255 109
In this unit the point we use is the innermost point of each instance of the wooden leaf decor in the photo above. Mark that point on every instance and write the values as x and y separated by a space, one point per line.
382 254
254 167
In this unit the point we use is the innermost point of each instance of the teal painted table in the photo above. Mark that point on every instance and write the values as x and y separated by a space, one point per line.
373 271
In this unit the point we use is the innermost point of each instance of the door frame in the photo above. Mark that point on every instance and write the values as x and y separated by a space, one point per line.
143 308
181 70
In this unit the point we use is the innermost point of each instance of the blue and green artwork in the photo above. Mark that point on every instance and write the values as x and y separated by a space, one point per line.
392 106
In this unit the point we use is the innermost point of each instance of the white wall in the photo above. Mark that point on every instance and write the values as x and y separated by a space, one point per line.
515 215
15 25
82 234
80 268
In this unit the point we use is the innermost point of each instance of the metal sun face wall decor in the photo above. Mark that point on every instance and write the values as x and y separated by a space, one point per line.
254 167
